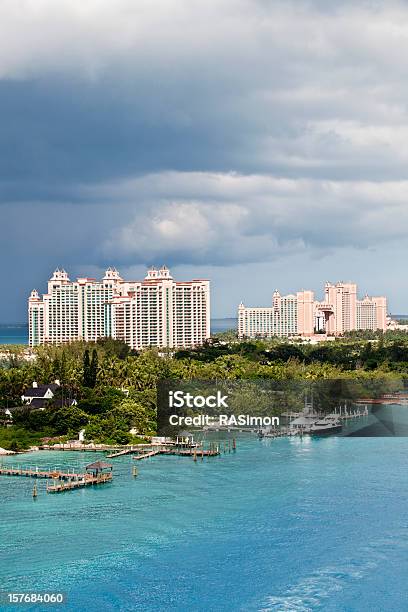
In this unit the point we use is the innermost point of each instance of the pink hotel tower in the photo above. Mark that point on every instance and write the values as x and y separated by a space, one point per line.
301 315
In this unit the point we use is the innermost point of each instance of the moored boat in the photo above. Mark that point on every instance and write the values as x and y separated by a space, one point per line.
325 426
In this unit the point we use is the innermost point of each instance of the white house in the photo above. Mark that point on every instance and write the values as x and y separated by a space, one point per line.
44 392
39 396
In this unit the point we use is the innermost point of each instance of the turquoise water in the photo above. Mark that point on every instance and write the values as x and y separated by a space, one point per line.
312 524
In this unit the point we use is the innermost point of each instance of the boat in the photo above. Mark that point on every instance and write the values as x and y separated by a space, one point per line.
304 420
325 426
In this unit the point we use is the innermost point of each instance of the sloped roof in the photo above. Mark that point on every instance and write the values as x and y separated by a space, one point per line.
99 465
54 402
41 390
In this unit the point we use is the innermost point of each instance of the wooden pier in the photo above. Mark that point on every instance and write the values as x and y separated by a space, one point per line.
146 455
63 481
38 473
125 451
181 452
191 452
86 481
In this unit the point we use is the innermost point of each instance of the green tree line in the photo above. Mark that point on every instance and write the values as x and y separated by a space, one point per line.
115 387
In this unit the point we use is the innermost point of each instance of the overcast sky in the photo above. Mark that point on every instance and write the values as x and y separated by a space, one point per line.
258 143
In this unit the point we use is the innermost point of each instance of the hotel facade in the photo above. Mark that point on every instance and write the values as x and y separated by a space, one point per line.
301 315
155 312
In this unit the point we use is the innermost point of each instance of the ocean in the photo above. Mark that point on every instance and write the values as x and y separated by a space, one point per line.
221 325
17 333
13 333
287 524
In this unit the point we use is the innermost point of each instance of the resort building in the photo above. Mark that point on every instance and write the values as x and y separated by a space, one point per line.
300 315
157 311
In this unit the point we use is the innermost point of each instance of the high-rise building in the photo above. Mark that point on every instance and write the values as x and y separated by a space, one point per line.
301 315
372 313
340 306
157 311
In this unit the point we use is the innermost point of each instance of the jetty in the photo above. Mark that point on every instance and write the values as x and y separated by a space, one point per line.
95 474
71 446
125 451
147 454
86 481
191 452
35 472
181 452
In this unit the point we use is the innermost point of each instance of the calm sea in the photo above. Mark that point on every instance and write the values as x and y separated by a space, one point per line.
12 333
288 524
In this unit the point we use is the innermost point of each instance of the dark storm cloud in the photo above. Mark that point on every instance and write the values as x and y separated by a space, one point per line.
270 87
222 133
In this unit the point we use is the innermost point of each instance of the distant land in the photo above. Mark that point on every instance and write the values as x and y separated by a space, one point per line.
17 333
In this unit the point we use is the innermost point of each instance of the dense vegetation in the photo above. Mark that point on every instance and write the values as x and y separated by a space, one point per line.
115 388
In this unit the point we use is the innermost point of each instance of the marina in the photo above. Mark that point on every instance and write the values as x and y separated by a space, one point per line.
100 472
310 422
305 423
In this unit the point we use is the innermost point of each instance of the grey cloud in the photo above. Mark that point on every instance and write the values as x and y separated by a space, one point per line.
108 90
251 218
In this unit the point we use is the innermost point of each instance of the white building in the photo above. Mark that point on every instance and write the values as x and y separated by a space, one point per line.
157 311
280 320
42 392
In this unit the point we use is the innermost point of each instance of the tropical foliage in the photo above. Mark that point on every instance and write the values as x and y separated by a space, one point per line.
115 387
